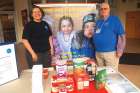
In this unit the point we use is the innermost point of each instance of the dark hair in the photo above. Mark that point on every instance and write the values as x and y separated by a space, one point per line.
34 6
65 18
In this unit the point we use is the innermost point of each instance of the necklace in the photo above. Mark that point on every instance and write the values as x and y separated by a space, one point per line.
66 37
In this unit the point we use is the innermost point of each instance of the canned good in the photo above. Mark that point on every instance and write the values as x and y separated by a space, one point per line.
63 89
80 84
54 88
61 68
78 66
70 67
89 69
45 73
70 85
86 81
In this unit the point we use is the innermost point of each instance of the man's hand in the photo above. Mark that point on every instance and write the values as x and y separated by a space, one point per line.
119 54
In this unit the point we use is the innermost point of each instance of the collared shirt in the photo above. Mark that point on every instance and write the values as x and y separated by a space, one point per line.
106 35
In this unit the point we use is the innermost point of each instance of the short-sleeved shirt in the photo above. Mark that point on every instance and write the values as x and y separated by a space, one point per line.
106 35
38 33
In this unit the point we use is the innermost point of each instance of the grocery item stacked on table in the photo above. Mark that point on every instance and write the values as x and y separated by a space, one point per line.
81 77
62 82
74 73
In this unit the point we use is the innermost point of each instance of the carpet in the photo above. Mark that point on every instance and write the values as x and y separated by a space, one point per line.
130 59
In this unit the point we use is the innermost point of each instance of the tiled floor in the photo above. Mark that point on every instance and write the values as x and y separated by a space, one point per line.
132 72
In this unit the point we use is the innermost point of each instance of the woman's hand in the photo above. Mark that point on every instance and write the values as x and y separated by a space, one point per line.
34 57
29 48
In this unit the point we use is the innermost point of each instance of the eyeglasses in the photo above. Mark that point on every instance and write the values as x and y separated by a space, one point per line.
103 8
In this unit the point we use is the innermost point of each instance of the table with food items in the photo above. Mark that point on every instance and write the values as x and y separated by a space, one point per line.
80 75
76 76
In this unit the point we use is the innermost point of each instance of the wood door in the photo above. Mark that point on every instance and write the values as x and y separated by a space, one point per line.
133 24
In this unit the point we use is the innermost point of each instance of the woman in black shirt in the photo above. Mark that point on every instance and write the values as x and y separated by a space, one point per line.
37 39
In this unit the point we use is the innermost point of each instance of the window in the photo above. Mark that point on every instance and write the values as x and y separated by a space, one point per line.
7 26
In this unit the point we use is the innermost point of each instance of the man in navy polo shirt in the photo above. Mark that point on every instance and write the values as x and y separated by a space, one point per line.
109 38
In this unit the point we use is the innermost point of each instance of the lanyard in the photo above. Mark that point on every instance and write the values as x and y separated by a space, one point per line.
100 28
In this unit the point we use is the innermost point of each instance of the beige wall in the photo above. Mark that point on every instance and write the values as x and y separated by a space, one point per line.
122 8
19 5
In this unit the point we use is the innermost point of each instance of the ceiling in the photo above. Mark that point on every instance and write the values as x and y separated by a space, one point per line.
8 5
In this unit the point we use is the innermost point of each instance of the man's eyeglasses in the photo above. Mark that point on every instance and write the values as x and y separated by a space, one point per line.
103 8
